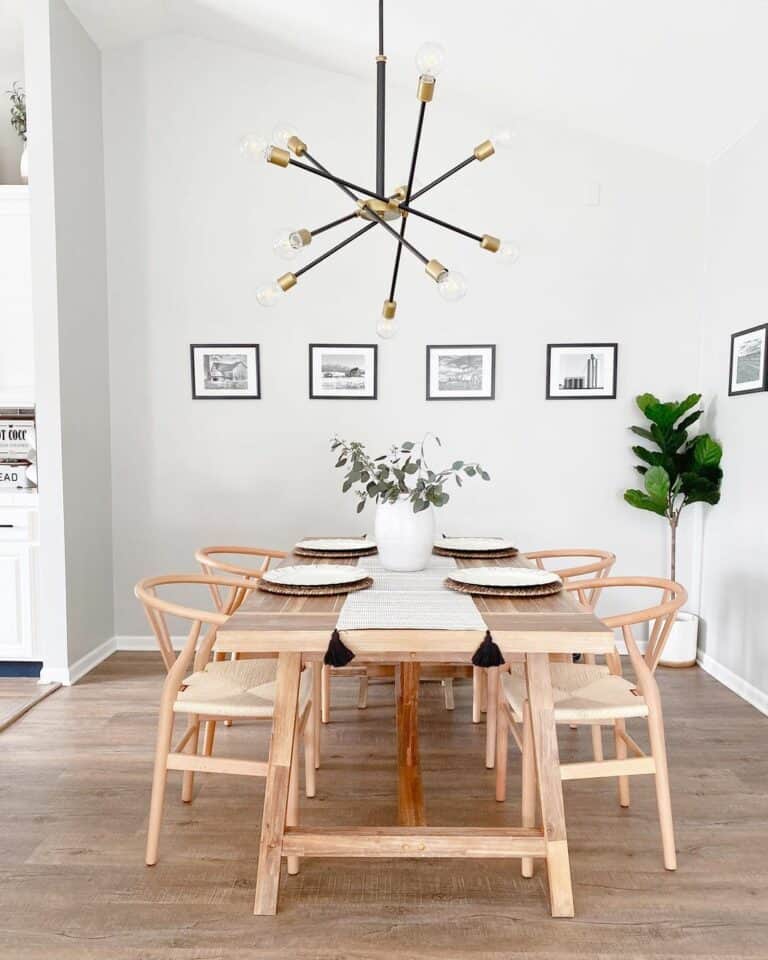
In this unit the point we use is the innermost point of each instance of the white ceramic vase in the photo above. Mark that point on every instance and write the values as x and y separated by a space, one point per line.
24 165
682 642
404 538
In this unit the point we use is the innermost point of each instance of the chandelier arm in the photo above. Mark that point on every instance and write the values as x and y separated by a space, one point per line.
328 253
337 180
333 223
409 187
449 173
328 174
442 223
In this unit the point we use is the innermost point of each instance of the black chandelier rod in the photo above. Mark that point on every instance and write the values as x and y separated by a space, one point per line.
328 253
334 223
443 223
325 172
381 84
449 173
321 172
409 187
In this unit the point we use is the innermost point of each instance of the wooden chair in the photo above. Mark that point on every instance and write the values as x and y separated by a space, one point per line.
485 691
207 691
588 693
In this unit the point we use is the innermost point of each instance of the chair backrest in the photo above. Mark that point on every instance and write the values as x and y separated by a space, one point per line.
659 617
211 562
598 567
157 609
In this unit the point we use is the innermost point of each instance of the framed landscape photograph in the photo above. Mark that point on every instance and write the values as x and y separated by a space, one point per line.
343 371
749 373
582 371
225 371
461 371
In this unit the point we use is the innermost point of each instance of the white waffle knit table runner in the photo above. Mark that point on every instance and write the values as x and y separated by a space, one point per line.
409 601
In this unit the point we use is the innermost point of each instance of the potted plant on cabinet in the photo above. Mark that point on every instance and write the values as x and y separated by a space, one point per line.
19 123
405 490
677 472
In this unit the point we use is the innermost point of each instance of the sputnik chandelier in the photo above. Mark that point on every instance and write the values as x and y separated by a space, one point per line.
377 207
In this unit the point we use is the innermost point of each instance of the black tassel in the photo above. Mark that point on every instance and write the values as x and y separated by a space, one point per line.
337 655
488 653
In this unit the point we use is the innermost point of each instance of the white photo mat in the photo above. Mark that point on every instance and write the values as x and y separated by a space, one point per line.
461 371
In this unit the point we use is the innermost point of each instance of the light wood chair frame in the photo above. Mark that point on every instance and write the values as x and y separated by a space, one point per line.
193 657
662 616
485 692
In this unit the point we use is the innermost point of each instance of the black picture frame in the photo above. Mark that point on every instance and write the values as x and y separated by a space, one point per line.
222 348
734 337
550 395
460 346
373 347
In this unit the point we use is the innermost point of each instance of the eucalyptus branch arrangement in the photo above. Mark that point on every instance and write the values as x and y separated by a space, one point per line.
401 473
680 471
18 109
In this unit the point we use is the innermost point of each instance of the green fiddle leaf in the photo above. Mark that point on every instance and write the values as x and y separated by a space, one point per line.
657 485
642 432
707 452
690 401
651 457
689 420
645 400
636 498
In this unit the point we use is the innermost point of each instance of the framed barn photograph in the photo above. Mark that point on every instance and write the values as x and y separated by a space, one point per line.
749 372
461 371
582 371
343 371
225 371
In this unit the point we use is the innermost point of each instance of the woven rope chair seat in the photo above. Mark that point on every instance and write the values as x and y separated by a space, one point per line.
582 693
235 688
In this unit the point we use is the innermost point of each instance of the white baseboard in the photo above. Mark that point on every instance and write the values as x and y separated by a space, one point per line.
757 698
146 643
55 675
77 670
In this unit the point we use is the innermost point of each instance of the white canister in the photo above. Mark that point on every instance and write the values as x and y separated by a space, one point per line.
404 538
682 642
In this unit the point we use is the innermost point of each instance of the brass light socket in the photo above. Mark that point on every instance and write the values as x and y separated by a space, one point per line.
426 88
297 146
305 235
287 281
278 156
435 269
399 195
490 243
389 309
484 150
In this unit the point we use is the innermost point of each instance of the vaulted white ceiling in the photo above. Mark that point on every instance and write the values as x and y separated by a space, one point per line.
685 77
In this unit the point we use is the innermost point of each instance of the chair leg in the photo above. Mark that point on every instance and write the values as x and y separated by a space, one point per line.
448 694
292 813
492 697
188 777
528 804
477 686
317 696
619 726
159 778
309 753
210 734
502 752
597 741
663 798
325 695
362 692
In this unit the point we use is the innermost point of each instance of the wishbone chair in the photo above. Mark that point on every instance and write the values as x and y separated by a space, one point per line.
592 694
208 691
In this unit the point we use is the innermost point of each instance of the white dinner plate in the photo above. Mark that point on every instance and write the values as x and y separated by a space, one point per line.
345 545
504 577
315 575
474 544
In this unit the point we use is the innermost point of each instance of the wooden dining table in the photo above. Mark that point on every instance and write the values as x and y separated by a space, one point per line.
297 631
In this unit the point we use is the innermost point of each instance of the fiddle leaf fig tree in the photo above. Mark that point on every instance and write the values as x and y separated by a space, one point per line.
677 470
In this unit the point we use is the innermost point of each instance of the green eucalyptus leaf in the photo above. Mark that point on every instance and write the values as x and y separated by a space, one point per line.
361 506
470 471
457 465
484 475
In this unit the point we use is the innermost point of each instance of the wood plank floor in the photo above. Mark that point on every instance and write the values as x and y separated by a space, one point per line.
74 791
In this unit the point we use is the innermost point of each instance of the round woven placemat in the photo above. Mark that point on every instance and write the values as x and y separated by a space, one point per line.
538 590
326 590
330 554
476 555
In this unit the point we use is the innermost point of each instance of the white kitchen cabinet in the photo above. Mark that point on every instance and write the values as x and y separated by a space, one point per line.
18 581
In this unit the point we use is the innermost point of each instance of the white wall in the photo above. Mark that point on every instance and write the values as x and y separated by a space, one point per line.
189 229
71 337
735 569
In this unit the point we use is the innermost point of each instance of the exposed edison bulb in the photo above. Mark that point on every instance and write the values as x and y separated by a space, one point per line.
386 327
287 243
253 147
282 134
508 252
502 138
452 286
430 58
269 295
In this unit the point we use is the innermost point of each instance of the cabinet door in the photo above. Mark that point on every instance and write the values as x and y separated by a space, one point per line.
15 602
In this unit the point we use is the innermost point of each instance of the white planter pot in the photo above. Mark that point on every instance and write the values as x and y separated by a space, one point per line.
24 164
682 642
404 538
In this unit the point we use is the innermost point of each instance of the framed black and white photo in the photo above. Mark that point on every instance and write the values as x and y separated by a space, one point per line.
225 371
343 371
749 372
582 371
461 371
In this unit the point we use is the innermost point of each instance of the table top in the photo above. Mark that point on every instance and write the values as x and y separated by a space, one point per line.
271 623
